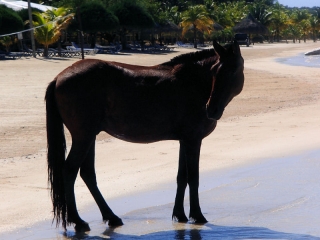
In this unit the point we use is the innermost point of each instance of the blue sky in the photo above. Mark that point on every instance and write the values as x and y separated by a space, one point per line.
300 3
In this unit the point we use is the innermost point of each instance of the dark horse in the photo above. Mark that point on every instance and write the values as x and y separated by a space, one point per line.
178 100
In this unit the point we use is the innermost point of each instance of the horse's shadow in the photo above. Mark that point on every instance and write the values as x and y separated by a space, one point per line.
210 232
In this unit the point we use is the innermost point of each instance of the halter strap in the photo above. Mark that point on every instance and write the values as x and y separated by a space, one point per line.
214 79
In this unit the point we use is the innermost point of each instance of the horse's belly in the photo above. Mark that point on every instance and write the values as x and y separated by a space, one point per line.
139 131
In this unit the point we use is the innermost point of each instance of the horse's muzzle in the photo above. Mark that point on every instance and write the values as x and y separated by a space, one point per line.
215 114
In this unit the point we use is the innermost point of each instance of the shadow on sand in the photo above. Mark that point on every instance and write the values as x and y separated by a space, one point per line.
210 232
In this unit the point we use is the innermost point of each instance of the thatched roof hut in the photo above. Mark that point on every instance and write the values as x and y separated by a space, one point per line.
167 27
250 25
217 27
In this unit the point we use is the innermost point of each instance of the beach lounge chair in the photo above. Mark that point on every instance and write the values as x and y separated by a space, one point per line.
148 48
26 51
64 52
108 49
186 45
134 46
12 55
87 51
162 47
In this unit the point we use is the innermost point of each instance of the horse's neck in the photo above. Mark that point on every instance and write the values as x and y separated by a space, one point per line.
193 57
209 63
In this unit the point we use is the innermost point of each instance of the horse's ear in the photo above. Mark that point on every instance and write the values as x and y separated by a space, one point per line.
219 49
236 48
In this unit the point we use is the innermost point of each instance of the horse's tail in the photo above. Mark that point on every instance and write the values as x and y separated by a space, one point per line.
56 144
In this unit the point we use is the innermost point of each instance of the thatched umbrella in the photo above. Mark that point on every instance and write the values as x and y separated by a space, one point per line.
167 26
250 25
217 27
159 28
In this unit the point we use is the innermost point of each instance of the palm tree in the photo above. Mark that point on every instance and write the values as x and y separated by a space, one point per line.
132 15
51 22
196 18
315 25
300 17
7 42
296 32
173 14
261 12
305 27
229 14
62 16
280 19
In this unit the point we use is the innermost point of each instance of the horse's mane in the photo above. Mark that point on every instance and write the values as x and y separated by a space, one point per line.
191 57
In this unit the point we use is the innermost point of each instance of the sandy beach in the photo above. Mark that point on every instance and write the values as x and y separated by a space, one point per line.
259 168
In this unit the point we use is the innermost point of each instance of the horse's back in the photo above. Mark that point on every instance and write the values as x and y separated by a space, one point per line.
125 102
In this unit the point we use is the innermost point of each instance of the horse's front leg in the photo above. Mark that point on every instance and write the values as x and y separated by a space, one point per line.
182 181
87 173
192 151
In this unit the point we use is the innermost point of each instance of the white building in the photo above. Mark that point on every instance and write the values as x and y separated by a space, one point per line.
19 5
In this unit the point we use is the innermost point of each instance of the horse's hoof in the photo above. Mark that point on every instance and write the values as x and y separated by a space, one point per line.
115 222
179 217
200 219
82 227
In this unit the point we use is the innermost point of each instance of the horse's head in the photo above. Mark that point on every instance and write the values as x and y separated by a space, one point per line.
228 79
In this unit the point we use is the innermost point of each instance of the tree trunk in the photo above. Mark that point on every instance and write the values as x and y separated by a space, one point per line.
123 38
93 40
195 36
45 51
59 46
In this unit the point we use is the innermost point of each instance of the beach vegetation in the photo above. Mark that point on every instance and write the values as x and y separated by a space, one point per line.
10 21
23 13
315 26
94 17
49 25
132 15
140 20
196 18
7 41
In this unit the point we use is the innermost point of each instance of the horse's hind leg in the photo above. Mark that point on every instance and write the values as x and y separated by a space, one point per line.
76 157
87 173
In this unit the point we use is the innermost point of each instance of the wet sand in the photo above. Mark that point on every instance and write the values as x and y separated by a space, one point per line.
249 185
270 199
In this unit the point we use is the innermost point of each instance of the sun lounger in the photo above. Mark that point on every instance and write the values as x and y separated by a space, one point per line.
108 49
187 45
134 46
26 51
12 55
15 55
87 51
64 53
162 47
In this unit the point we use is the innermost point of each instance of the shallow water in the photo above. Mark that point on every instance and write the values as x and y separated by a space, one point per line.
269 199
301 60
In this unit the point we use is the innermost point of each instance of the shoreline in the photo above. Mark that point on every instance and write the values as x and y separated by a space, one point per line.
276 114
153 207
